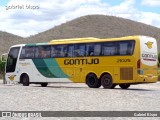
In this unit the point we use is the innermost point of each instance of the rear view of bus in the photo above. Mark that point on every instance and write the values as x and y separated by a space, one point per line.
147 64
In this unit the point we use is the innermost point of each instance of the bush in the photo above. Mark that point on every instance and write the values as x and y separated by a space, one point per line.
2 68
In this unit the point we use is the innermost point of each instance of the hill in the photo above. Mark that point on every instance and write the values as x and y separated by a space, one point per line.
100 26
7 40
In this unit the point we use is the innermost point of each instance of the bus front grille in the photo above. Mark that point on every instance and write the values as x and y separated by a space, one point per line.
126 73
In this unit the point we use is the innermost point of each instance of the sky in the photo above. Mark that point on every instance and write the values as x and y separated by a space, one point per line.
30 17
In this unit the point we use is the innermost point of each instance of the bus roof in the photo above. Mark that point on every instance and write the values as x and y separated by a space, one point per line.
18 45
73 40
84 40
90 39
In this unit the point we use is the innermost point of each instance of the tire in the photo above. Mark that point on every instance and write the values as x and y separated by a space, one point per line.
106 81
44 84
124 86
25 80
92 81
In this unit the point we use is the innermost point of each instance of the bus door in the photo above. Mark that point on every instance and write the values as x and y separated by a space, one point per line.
11 65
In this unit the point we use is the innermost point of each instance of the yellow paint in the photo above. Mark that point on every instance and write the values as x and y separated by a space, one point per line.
107 64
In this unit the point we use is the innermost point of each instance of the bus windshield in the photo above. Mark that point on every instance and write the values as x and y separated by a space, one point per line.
12 59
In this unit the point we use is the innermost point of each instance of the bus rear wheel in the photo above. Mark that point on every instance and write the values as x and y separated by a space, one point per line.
44 84
92 81
25 80
124 86
106 81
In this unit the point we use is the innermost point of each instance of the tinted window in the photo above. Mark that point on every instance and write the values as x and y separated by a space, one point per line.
12 59
109 48
27 52
70 50
59 51
42 52
90 49
97 49
118 48
126 47
79 50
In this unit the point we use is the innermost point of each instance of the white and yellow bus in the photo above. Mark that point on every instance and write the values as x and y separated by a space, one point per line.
108 62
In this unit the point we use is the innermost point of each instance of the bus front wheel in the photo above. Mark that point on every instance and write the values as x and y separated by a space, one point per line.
106 81
44 84
25 80
124 86
92 81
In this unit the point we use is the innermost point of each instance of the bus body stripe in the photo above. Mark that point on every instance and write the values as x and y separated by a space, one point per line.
49 68
55 69
42 68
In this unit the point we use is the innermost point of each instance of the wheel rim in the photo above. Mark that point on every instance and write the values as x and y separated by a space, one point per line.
107 81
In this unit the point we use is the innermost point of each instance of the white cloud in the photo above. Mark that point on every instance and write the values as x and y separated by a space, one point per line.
26 22
124 8
128 10
151 3
150 18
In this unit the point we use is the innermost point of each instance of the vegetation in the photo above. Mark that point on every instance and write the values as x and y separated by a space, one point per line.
2 68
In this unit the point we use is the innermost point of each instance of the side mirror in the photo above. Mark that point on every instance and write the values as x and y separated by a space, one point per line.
4 57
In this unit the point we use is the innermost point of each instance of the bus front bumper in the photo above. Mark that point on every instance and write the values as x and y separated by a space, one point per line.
147 79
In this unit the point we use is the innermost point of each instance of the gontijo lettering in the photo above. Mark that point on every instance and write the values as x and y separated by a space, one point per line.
81 61
149 57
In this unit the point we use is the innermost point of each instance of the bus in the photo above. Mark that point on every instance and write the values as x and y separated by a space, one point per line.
97 62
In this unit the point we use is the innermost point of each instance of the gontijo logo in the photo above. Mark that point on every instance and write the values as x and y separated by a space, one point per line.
149 44
11 77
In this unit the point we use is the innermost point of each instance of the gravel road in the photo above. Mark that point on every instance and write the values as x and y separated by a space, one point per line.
78 97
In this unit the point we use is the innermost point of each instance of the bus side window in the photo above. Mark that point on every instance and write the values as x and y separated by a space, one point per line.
53 51
39 52
82 50
70 50
65 51
90 49
97 49
59 51
123 48
109 48
22 56
47 51
79 50
27 52
130 47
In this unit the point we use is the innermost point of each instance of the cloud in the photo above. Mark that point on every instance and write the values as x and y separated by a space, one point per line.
125 9
150 18
25 22
151 3
128 10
